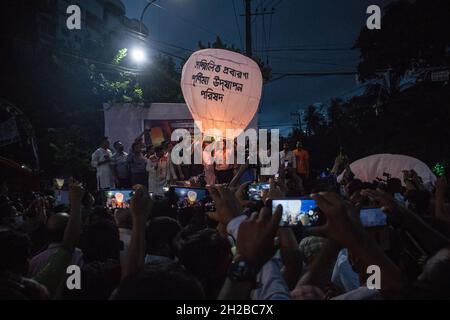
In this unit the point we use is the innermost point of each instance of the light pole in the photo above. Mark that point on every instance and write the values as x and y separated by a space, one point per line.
143 13
138 55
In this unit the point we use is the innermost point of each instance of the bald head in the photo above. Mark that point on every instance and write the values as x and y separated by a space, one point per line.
56 225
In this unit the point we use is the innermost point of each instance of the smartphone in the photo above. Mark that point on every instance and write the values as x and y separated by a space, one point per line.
255 190
118 199
299 211
373 217
183 197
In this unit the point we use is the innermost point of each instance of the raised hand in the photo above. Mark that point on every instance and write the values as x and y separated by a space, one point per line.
388 203
441 186
234 184
340 226
255 239
240 195
76 193
274 192
227 205
141 204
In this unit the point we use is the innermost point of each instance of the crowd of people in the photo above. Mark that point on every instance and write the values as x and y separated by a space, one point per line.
154 251
152 166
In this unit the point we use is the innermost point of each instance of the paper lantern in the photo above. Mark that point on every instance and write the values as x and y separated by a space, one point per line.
119 197
59 183
192 196
222 90
370 168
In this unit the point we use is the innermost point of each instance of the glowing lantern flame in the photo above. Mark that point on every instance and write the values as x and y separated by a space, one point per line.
192 196
119 197
222 90
59 183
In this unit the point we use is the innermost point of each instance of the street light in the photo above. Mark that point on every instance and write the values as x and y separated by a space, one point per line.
138 55
143 13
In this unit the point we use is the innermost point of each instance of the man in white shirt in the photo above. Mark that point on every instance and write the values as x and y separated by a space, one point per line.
101 161
160 172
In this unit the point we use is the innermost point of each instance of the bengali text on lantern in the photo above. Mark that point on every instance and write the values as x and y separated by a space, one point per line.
217 82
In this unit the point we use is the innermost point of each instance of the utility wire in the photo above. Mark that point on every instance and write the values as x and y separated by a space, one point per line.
289 59
303 49
237 24
194 24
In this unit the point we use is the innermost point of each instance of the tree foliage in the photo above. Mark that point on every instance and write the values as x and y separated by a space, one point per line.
266 70
412 122
413 34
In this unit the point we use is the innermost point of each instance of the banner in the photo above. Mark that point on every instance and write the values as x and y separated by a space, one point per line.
159 131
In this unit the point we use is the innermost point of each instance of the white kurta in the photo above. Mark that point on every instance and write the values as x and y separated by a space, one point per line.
159 174
105 179
152 163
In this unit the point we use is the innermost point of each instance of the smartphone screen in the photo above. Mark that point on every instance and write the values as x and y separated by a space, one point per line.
300 211
182 197
373 217
255 191
116 199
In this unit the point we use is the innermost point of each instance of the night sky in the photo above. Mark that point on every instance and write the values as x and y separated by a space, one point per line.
296 24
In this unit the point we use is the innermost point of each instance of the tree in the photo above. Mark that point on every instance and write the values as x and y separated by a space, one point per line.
160 81
266 70
413 35
116 86
314 121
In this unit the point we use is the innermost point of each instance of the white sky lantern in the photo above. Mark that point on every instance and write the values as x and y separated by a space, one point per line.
59 183
192 196
119 197
222 89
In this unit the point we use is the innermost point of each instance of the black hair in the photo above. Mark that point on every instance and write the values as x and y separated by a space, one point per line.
161 231
100 242
160 281
104 139
14 250
420 199
394 185
98 281
354 186
133 145
101 213
205 253
56 235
